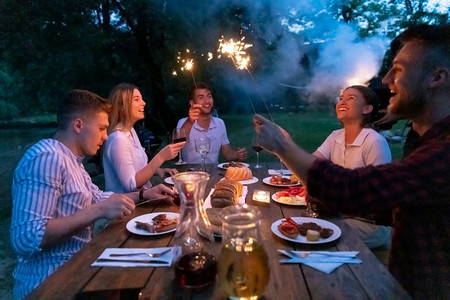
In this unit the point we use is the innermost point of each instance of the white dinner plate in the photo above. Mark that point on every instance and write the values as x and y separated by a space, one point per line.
147 218
249 181
299 202
224 165
267 181
168 180
302 239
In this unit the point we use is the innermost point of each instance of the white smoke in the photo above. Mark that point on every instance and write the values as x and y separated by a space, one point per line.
346 60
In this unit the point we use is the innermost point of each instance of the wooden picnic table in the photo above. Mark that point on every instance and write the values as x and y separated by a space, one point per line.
76 279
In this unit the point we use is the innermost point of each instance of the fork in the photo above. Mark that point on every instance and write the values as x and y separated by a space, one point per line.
303 254
152 255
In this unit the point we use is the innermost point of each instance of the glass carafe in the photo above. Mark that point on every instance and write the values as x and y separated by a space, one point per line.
196 267
243 268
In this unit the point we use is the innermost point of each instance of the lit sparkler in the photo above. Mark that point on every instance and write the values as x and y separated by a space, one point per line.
187 65
236 50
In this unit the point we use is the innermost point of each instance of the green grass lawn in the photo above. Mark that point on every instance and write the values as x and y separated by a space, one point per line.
308 129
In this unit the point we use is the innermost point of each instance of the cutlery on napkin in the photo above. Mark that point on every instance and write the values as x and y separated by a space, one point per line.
137 260
323 261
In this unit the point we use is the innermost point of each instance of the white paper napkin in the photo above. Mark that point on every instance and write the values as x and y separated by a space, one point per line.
168 258
277 171
325 261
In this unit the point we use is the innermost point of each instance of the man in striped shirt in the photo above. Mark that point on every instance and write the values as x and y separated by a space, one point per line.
55 202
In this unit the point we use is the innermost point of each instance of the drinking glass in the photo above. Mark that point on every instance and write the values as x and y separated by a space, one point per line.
179 135
202 148
257 148
309 212
242 266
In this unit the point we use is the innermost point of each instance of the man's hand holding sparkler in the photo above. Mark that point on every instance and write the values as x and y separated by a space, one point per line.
194 112
275 139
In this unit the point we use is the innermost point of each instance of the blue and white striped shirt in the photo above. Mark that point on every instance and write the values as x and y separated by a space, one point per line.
49 182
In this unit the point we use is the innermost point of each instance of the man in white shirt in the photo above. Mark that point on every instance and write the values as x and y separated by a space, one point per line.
55 202
200 123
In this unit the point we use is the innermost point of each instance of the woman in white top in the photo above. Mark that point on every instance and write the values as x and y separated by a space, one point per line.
124 159
358 145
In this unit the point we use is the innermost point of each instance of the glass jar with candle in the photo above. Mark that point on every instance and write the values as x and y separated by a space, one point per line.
243 268
196 267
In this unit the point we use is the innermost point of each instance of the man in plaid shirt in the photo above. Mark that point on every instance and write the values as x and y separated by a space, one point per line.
416 189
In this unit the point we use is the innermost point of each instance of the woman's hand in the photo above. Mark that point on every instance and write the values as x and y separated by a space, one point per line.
159 192
163 171
171 151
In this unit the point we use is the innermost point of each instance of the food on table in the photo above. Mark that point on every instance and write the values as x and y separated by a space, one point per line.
323 232
160 223
226 193
311 230
159 218
289 228
326 233
294 179
304 227
293 195
312 235
233 164
280 180
238 173
214 216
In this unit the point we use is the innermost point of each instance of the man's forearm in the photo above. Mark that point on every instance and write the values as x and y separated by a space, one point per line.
60 229
297 160
187 126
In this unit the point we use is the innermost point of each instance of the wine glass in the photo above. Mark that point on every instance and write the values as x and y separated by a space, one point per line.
179 135
202 148
309 212
257 148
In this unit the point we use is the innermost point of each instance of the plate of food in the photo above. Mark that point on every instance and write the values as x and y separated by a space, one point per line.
168 180
154 223
306 230
283 181
232 164
292 196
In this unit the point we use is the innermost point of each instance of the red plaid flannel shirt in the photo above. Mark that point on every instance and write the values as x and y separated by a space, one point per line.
417 191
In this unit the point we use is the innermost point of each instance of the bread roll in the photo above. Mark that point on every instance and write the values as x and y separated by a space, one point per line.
238 173
226 193
214 216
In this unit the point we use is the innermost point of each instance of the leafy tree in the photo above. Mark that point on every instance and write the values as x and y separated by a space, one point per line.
48 47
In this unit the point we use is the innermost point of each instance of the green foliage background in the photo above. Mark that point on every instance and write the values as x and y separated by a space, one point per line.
48 47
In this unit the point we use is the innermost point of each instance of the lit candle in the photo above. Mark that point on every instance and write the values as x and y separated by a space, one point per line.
261 196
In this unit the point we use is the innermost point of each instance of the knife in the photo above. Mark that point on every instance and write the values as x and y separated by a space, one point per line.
151 261
322 260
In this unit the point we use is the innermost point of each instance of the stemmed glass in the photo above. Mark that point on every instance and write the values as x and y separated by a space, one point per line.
202 148
309 212
257 148
179 135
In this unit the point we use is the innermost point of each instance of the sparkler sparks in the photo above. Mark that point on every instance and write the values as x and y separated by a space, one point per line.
187 65
241 60
236 51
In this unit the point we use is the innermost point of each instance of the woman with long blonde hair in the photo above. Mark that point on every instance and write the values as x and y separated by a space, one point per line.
124 159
